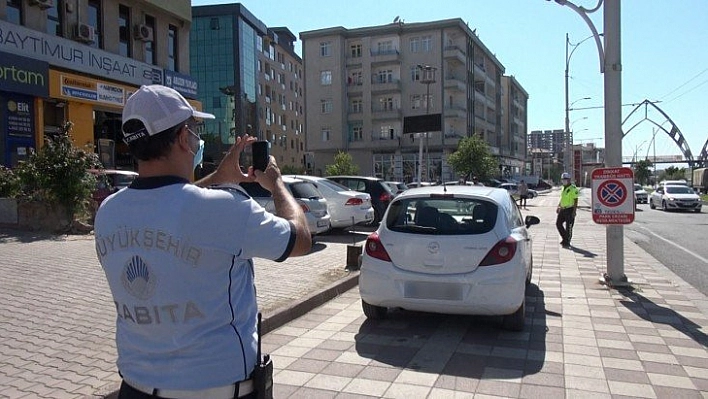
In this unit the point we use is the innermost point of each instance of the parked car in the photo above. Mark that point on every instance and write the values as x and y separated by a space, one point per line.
640 194
381 194
305 193
513 190
675 197
397 187
346 207
457 249
109 181
415 184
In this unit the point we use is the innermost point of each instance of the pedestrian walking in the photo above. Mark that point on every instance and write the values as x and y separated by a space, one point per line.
523 193
178 257
566 210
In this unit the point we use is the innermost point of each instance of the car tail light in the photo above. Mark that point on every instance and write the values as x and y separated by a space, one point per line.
375 248
385 197
502 252
354 201
304 207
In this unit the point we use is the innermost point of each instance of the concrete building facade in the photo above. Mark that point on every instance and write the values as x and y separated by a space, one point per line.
78 61
361 85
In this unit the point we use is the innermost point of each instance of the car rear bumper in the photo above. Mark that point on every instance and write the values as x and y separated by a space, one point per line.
318 225
358 215
489 290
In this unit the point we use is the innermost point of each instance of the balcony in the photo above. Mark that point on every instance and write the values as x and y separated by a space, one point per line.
355 88
392 85
455 111
385 56
454 53
479 70
385 113
455 83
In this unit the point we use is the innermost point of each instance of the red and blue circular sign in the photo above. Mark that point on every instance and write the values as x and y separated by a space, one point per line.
612 193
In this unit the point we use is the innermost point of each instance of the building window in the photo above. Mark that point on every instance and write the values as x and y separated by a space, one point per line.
415 44
54 19
426 44
172 48
150 47
326 78
14 11
326 106
355 79
415 73
385 47
416 101
385 76
357 133
387 132
357 106
124 48
325 49
355 50
387 104
325 133
95 18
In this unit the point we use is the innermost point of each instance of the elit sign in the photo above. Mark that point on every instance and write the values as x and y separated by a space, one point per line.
24 75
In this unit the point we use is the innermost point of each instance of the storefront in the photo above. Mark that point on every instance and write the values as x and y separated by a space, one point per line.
23 82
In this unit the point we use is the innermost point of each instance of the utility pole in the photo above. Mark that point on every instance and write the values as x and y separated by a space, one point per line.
427 78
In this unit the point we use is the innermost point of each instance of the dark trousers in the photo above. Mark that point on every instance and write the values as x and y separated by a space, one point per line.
522 200
565 216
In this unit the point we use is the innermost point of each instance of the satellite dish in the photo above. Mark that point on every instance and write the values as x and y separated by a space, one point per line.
396 19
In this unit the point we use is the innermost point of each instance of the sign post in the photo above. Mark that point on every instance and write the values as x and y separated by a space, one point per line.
613 196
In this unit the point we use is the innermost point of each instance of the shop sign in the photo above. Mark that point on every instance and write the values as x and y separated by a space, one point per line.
87 89
24 75
72 55
184 84
19 116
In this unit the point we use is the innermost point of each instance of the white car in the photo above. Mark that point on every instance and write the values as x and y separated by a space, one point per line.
305 193
676 198
346 207
455 250
513 190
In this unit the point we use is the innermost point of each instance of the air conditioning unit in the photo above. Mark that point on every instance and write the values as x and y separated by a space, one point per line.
143 32
85 33
42 4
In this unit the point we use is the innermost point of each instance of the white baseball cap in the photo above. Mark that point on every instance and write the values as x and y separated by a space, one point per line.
565 175
158 108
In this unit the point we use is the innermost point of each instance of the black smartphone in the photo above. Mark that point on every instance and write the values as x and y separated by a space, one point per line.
261 154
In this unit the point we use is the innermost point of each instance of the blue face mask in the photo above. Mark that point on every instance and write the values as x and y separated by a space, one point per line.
199 156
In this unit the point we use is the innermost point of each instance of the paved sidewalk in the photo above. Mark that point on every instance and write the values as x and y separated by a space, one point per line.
57 318
582 340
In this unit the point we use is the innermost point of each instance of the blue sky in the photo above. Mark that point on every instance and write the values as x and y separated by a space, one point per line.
664 55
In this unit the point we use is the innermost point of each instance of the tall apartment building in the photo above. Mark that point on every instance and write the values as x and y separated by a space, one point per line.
361 83
78 61
250 79
550 140
512 143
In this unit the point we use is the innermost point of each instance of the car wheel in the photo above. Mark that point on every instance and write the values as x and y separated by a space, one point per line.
651 205
516 320
530 274
373 311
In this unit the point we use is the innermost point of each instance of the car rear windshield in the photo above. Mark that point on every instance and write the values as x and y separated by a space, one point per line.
442 216
255 190
304 189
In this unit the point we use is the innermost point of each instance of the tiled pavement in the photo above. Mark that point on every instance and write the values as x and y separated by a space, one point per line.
582 339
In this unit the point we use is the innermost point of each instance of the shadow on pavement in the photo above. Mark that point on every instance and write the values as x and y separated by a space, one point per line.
585 253
459 347
11 235
650 311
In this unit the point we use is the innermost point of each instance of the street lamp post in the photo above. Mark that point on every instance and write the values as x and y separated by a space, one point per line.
568 156
427 78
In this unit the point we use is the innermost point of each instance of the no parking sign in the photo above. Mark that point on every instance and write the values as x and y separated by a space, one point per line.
613 195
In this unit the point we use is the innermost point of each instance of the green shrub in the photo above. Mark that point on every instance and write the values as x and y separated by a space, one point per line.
10 186
57 173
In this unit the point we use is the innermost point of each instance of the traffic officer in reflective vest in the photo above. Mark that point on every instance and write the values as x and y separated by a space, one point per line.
566 210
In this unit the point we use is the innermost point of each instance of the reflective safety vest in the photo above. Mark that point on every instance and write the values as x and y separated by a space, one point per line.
568 196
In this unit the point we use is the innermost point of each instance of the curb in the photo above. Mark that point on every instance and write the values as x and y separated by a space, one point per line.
285 314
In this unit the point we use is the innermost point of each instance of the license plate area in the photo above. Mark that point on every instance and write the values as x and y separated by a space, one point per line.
432 290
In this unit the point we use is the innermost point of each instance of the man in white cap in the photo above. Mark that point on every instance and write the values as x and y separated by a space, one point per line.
567 207
178 257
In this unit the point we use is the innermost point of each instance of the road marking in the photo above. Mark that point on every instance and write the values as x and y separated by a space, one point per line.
688 251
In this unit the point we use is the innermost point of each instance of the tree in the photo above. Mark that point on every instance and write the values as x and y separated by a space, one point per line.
672 173
292 170
473 158
57 173
343 165
642 172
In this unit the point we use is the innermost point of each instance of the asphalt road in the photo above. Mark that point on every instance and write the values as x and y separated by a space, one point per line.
679 240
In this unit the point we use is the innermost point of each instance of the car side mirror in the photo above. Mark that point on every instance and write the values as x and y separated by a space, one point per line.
531 220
